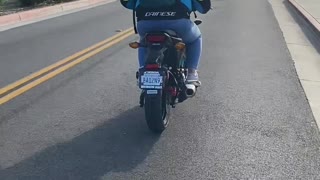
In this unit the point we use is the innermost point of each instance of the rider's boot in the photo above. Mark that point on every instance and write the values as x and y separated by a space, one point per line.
193 77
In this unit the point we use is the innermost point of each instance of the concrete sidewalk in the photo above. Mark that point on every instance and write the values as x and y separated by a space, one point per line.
310 10
301 45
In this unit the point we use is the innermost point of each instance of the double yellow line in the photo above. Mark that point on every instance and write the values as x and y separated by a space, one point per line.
25 84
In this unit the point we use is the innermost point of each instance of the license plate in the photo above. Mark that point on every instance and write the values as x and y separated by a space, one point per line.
151 80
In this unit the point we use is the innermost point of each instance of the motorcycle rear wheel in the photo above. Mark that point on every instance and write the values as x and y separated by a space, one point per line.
156 112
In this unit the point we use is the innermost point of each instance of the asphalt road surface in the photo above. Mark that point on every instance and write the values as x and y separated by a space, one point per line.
249 120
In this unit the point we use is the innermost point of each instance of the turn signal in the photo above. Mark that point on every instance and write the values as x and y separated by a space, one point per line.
134 45
180 46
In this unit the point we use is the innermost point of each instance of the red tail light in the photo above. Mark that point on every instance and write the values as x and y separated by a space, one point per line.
152 66
156 38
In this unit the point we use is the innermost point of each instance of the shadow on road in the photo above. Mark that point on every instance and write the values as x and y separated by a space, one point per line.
119 145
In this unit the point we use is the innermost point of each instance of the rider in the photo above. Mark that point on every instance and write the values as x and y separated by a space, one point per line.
153 15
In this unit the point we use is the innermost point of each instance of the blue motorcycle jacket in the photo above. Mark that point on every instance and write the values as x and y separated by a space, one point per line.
181 10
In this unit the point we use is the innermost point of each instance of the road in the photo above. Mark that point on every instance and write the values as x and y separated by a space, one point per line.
249 120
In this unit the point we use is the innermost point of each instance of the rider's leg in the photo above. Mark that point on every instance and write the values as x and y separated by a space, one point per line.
194 50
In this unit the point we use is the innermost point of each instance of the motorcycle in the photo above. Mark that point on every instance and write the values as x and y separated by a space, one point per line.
163 77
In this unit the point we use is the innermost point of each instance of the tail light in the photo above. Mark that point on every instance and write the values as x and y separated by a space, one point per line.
152 66
156 38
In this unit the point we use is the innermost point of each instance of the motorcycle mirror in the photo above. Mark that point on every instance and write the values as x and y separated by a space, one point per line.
198 21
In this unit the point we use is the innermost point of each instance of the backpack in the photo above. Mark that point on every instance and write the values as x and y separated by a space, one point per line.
157 3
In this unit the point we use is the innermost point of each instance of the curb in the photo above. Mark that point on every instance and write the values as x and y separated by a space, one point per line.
24 16
307 16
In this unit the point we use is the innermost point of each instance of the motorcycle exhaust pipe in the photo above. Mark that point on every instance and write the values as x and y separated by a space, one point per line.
190 90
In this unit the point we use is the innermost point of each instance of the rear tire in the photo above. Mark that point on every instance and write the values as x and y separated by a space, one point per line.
156 109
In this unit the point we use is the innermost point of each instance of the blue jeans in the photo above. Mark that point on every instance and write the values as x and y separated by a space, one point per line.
185 28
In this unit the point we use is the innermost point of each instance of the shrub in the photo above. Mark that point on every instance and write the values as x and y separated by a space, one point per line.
30 2
34 2
1 2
